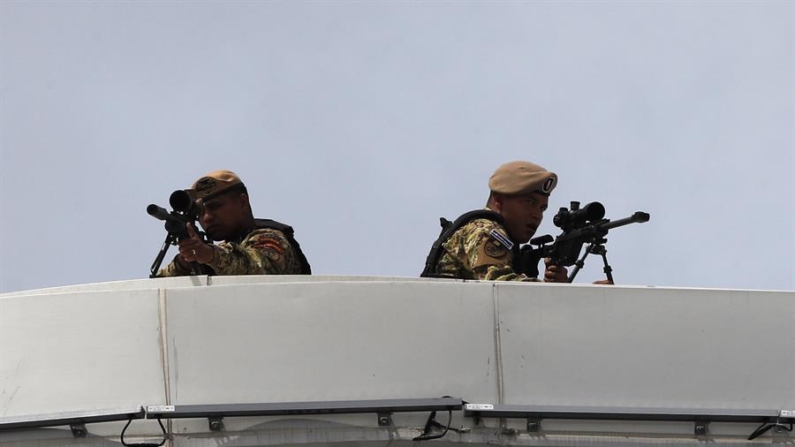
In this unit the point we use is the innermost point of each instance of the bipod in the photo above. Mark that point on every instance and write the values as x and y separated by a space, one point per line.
171 239
597 248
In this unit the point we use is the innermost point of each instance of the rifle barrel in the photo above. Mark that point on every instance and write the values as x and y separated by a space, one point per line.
175 223
638 217
158 212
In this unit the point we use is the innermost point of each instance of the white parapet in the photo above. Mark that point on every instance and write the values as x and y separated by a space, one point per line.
286 343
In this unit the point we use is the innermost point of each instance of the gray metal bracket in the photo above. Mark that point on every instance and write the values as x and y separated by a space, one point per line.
78 430
701 428
384 419
216 423
533 425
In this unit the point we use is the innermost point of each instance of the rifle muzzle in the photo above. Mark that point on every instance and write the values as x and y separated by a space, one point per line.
157 212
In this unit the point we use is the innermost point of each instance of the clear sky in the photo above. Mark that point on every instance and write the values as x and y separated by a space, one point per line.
361 123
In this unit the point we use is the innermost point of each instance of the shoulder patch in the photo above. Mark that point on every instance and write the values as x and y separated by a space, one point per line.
494 249
270 244
501 239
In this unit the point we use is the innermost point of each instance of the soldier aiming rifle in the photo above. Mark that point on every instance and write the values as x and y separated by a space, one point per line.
219 202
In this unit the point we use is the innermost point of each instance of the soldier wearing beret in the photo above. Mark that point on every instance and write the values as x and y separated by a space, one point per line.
481 245
251 246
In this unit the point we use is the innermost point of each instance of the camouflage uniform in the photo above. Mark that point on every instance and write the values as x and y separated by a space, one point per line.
261 252
473 252
265 249
481 248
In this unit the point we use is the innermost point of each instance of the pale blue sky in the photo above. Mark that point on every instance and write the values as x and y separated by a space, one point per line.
361 123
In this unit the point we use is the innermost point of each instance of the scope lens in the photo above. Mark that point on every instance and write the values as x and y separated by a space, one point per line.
180 200
594 211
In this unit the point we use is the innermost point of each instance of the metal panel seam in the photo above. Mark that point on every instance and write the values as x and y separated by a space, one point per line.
495 295
163 334
791 397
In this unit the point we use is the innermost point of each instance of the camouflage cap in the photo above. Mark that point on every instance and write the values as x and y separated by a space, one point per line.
522 177
214 183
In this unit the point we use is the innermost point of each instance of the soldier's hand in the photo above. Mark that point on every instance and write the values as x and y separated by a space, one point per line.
555 273
194 249
605 282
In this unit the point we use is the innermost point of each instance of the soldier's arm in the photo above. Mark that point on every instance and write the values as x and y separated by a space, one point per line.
263 252
501 273
491 260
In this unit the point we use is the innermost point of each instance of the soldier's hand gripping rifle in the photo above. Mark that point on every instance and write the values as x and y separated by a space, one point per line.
580 226
185 211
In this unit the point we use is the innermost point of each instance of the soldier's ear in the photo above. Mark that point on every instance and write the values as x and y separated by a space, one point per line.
244 199
496 202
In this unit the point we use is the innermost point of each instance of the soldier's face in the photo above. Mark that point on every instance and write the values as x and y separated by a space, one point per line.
522 214
224 216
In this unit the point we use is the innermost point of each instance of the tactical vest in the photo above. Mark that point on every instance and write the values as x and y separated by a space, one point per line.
288 234
448 228
524 260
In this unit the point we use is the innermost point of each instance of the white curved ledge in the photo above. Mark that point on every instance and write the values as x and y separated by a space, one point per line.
246 340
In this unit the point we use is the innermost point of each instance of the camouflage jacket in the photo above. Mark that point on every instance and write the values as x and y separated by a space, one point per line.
262 252
475 251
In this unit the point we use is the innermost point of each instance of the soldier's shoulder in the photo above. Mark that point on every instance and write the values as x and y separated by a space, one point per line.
266 232
480 226
475 233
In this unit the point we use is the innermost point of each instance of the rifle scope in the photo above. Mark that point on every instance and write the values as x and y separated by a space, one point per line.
183 200
577 217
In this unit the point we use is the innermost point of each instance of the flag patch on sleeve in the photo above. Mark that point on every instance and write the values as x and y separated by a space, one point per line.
499 237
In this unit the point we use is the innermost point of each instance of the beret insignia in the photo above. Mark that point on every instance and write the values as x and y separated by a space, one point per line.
205 186
548 184
214 183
